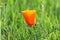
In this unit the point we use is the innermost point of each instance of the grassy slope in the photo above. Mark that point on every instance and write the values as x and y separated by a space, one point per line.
13 26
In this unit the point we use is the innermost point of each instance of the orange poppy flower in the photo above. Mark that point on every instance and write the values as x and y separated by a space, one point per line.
29 16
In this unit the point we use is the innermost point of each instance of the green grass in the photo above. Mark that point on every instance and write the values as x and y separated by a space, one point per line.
13 26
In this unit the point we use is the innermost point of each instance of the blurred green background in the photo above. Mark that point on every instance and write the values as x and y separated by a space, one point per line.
13 26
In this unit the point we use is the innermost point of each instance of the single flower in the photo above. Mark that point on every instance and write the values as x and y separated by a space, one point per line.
29 16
